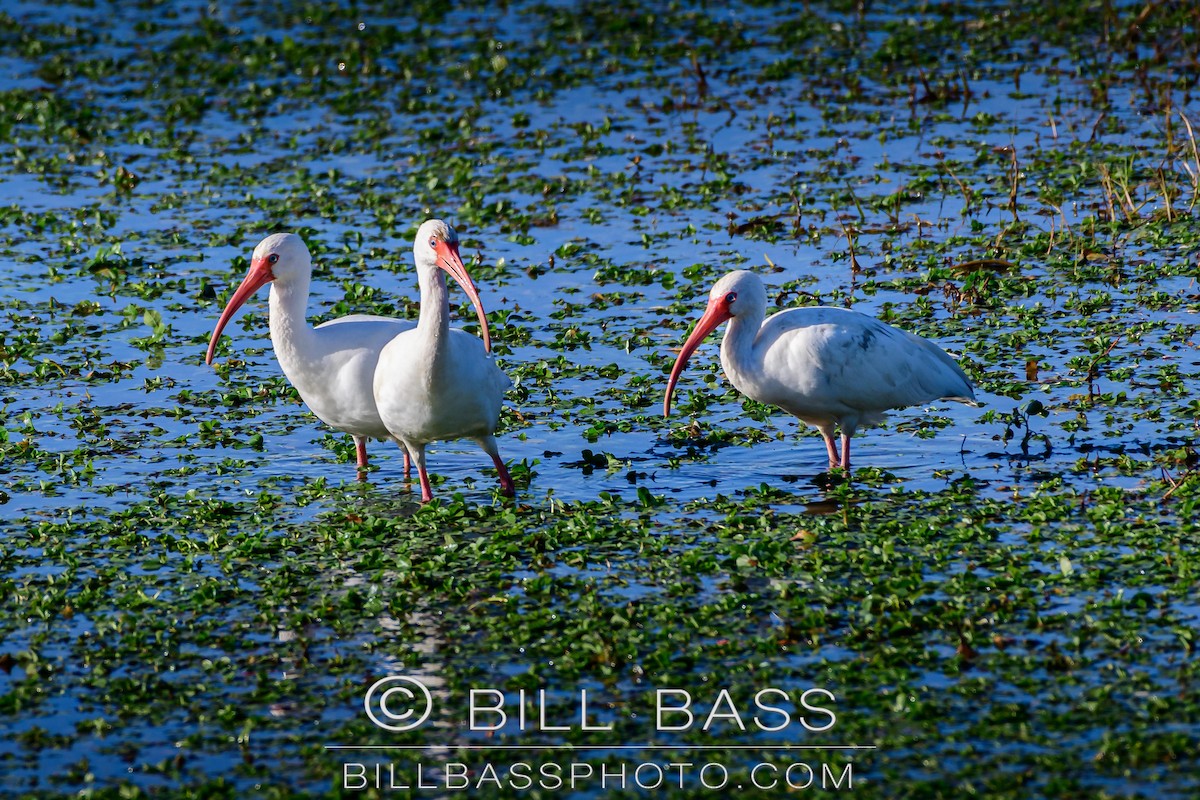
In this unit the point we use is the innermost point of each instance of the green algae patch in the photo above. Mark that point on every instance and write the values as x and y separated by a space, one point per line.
196 596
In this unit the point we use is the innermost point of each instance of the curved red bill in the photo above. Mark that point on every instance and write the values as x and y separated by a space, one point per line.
258 275
716 313
449 260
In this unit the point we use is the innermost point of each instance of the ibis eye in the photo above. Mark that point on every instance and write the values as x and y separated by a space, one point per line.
433 242
729 298
273 258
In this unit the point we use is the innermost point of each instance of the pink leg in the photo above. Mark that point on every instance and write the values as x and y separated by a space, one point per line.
506 481
845 452
418 456
426 490
360 449
488 443
831 449
407 459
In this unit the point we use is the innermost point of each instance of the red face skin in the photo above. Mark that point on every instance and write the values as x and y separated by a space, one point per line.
259 275
449 260
716 313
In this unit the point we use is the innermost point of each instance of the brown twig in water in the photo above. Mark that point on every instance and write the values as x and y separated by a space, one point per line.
1015 183
962 187
1175 483
1195 176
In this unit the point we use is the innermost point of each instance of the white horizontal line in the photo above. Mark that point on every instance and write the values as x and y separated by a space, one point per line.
600 747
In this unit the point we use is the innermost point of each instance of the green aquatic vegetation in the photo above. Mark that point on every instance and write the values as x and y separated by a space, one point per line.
1001 599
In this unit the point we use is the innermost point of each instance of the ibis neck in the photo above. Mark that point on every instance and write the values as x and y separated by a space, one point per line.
738 354
433 324
290 332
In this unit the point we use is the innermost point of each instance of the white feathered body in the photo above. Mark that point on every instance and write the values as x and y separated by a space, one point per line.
833 365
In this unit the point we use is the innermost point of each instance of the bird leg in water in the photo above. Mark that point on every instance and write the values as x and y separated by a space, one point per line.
417 456
407 459
830 447
845 452
360 451
507 488
506 481
423 475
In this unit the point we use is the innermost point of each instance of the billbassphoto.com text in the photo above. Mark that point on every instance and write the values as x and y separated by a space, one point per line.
571 776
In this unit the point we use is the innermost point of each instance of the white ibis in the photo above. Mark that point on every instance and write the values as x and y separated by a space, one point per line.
332 365
829 367
435 383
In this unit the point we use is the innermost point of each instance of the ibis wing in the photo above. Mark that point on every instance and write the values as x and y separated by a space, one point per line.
843 361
